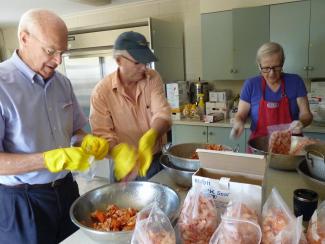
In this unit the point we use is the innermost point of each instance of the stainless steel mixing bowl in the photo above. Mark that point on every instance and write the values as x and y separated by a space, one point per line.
181 177
132 194
180 155
260 145
313 183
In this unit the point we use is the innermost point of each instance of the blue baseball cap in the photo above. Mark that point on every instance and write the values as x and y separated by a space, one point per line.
136 45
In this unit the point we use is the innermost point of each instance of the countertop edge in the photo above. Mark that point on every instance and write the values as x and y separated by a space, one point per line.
313 128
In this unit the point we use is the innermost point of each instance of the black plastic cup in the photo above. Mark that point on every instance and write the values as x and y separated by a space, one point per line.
304 203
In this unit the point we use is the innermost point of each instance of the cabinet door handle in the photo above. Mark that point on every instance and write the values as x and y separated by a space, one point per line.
306 68
235 71
231 71
310 68
204 133
210 133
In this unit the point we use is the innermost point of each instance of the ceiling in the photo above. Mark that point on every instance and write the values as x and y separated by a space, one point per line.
11 10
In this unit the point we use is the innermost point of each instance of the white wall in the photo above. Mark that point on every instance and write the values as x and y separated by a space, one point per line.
9 42
186 12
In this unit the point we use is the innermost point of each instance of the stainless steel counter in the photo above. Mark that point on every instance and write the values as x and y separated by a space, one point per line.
285 181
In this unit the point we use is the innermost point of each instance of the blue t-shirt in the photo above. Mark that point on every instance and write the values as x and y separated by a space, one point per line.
252 94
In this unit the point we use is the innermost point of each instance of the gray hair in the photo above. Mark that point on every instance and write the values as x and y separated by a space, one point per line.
118 53
268 49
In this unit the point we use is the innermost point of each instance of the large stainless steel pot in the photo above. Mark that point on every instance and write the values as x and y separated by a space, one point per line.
315 156
260 145
180 155
314 184
181 177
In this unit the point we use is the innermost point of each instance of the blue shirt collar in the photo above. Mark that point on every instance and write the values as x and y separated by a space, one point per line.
31 75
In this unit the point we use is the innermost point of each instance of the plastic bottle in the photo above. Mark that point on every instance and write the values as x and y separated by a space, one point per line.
201 104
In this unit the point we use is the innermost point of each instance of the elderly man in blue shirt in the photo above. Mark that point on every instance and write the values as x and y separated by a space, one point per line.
39 117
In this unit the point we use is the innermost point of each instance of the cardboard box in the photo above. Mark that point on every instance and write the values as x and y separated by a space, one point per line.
237 171
213 107
317 88
213 96
219 96
179 88
177 116
177 102
177 94
214 117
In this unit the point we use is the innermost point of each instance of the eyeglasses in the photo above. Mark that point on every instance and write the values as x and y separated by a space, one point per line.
135 62
268 69
132 61
51 52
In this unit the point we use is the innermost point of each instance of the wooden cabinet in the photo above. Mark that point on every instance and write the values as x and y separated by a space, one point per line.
298 27
230 40
206 134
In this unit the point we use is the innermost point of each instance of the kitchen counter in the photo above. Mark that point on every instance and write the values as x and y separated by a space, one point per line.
285 181
313 127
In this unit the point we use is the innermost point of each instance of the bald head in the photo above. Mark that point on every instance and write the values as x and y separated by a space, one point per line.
43 37
44 22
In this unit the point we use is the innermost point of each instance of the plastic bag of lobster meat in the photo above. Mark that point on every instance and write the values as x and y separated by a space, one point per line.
316 228
279 225
279 139
240 222
198 218
153 227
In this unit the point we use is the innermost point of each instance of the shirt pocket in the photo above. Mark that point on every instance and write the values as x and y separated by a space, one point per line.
66 115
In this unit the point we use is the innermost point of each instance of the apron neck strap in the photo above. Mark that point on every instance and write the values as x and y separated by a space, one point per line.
283 94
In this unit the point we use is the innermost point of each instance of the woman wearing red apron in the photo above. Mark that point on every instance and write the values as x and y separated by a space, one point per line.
272 98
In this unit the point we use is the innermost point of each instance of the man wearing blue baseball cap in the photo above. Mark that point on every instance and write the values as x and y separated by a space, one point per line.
130 110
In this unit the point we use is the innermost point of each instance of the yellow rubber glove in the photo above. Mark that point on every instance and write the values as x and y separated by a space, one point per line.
71 158
124 157
145 150
95 145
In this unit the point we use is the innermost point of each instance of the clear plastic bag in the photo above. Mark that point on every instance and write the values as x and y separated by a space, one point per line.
153 227
240 223
280 139
316 228
198 218
90 173
279 225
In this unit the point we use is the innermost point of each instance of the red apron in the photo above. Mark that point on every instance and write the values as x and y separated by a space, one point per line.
271 113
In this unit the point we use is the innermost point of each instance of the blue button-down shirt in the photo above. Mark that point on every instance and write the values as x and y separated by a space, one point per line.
35 116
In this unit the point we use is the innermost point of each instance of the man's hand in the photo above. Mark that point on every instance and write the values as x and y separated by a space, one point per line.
71 158
96 146
145 150
125 158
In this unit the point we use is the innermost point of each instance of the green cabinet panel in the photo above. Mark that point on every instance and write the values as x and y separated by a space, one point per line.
247 135
302 35
317 40
230 40
315 135
220 135
206 134
251 28
217 45
189 133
